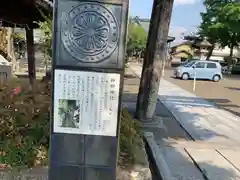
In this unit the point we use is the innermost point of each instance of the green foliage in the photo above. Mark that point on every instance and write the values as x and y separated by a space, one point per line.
18 37
231 16
130 139
137 38
221 22
46 28
24 133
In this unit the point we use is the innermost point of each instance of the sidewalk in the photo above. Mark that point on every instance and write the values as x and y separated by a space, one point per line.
200 118
214 153
164 125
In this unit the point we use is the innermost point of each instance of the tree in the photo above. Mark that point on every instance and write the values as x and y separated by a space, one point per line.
154 59
46 40
46 28
221 22
229 25
136 40
205 31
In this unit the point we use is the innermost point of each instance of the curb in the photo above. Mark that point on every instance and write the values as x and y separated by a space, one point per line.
161 170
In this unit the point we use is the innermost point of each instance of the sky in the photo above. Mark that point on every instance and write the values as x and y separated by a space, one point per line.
185 15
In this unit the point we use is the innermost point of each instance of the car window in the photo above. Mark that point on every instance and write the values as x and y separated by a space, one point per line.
200 65
189 64
211 65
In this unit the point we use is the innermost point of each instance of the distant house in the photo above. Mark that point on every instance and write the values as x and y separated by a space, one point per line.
189 49
219 53
182 51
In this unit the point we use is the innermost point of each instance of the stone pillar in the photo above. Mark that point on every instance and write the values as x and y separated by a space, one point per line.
88 71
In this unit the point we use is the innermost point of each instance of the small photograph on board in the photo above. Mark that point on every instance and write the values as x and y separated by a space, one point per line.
69 111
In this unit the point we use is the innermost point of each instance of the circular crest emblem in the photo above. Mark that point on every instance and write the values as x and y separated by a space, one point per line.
90 32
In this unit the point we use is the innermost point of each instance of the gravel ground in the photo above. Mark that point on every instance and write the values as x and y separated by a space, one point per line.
225 93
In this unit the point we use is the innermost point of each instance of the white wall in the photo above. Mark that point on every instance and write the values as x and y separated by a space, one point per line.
225 51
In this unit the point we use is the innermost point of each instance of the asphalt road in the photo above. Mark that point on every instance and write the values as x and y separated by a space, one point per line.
225 93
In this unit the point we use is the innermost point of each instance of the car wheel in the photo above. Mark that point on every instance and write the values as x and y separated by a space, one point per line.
216 78
185 76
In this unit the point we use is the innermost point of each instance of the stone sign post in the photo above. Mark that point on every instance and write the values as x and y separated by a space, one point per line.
88 69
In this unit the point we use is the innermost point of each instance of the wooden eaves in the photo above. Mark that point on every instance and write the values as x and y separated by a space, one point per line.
23 12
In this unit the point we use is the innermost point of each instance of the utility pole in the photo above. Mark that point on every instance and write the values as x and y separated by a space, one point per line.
153 59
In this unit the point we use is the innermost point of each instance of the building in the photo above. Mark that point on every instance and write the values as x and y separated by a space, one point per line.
219 53
182 51
199 50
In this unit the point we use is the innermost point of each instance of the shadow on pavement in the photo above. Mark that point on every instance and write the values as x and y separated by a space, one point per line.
225 104
172 77
221 103
166 126
194 113
233 88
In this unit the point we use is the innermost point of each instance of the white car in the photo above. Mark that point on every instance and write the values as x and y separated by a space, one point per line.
200 70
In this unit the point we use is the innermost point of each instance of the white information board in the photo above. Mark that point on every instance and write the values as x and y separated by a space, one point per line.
86 102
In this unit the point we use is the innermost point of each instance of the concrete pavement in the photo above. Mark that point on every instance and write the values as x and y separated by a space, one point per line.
200 118
214 153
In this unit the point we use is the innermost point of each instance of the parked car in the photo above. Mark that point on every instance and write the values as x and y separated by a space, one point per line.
202 69
235 69
225 69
